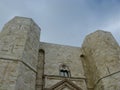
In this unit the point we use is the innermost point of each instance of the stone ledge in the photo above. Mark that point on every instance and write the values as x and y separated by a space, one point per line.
61 77
26 64
105 77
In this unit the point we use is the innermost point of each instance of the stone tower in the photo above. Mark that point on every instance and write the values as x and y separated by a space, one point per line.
19 45
26 63
101 61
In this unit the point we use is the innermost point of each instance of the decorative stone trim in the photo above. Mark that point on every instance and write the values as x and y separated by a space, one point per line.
105 77
61 77
31 68
64 83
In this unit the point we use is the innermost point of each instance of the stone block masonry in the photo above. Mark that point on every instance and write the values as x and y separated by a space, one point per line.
19 45
102 61
26 63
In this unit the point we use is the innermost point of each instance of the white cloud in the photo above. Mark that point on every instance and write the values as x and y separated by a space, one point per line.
61 20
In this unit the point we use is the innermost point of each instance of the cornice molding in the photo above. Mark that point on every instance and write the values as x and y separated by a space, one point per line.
64 83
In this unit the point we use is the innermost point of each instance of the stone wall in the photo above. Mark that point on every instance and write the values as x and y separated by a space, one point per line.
102 61
8 74
19 44
55 55
28 64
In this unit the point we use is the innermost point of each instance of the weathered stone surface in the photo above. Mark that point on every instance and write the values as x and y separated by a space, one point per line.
14 75
28 64
40 70
26 78
112 82
101 56
19 42
8 74
55 55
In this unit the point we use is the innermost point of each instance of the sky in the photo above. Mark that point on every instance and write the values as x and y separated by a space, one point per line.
65 22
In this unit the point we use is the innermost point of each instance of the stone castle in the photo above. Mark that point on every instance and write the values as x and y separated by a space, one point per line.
28 64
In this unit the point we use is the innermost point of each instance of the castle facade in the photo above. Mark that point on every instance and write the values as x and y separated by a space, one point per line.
26 63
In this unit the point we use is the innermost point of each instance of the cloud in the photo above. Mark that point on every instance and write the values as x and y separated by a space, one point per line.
114 27
65 21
